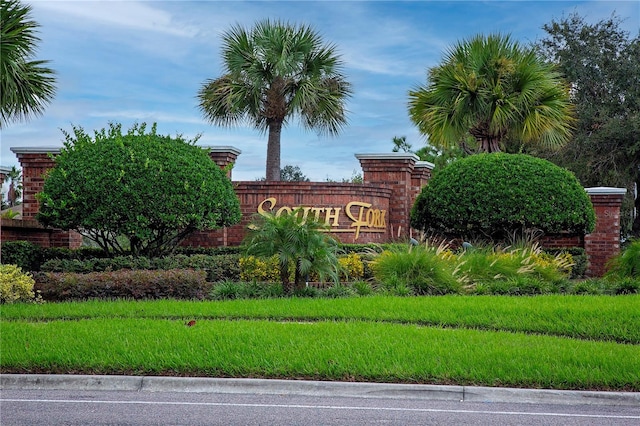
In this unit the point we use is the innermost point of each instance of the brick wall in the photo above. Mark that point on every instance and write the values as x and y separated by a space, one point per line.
355 213
30 230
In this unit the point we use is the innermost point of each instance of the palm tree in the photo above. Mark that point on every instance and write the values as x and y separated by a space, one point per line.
274 72
14 177
297 241
492 89
26 86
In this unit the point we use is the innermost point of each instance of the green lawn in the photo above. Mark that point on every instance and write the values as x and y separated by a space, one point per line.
559 342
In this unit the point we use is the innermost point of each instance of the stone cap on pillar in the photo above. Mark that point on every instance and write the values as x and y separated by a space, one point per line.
35 149
424 165
222 149
606 190
388 156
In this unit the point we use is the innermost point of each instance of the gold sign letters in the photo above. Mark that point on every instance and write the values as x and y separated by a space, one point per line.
363 218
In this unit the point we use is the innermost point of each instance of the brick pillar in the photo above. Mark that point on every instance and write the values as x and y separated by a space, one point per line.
394 171
223 156
604 242
34 162
420 177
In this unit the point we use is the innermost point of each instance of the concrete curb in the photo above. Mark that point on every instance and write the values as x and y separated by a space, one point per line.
313 388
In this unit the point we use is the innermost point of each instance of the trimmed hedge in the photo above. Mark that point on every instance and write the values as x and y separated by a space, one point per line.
123 284
492 196
218 268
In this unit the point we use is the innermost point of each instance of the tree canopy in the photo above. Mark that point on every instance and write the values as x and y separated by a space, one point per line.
27 85
272 73
491 88
601 62
137 192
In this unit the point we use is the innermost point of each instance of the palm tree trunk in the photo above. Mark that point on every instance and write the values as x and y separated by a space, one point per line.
284 277
273 151
489 144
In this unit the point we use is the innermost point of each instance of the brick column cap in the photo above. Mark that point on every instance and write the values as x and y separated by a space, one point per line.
5 170
424 165
222 149
35 149
606 190
388 156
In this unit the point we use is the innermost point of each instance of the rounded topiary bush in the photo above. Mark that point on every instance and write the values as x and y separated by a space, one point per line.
496 195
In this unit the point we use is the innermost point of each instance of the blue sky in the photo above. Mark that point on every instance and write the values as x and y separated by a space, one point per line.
144 61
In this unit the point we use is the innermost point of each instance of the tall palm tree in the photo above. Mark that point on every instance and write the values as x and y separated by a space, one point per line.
26 86
492 89
297 241
274 72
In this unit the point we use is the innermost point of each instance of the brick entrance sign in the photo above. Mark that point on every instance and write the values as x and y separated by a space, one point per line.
377 210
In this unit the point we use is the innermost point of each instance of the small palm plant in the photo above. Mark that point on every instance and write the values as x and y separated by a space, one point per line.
297 241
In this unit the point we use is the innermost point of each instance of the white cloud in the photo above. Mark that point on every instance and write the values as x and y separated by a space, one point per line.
140 16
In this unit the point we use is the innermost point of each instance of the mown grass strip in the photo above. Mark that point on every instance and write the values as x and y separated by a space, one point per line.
607 318
326 350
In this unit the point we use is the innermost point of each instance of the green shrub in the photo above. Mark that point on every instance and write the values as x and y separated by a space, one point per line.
28 256
139 186
307 292
337 291
497 195
15 285
627 263
127 284
494 269
363 288
262 269
351 267
626 285
217 267
419 268
226 290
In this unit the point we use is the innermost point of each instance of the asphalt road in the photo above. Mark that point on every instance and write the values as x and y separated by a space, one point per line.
64 407
130 400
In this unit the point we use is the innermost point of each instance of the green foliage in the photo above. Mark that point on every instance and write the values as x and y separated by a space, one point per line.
338 290
254 268
489 265
218 268
292 174
26 255
420 268
351 267
228 290
298 242
27 85
15 285
491 88
272 73
627 263
600 61
578 256
492 196
127 284
153 190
